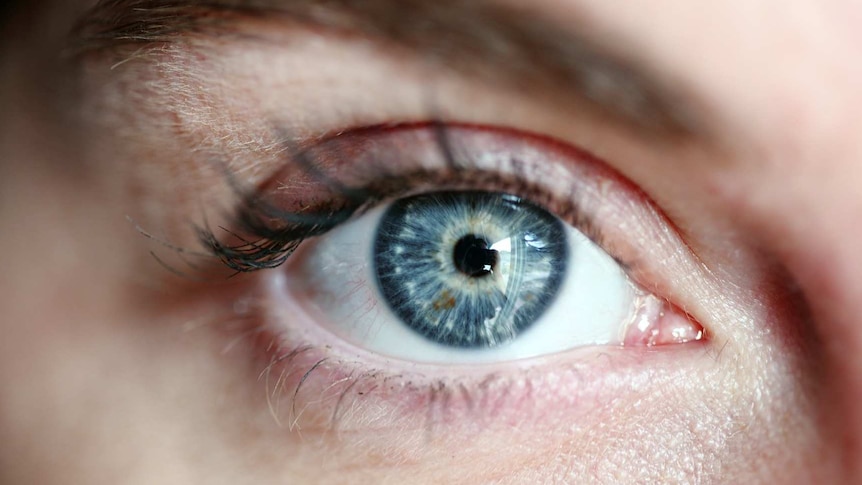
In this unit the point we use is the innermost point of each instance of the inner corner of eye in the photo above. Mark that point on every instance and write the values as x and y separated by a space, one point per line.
475 277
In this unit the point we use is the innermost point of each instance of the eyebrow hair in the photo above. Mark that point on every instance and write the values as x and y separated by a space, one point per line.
501 43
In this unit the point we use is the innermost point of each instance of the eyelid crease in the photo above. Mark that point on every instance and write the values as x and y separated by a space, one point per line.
493 42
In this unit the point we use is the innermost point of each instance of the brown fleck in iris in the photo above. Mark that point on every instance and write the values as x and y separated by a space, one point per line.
446 301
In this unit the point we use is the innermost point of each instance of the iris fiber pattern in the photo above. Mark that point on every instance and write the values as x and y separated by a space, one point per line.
469 269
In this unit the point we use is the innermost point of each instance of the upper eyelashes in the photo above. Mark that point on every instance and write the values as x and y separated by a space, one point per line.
328 184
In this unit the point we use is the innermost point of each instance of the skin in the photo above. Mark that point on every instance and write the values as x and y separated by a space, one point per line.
115 370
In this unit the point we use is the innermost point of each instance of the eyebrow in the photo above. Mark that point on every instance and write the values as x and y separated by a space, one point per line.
496 42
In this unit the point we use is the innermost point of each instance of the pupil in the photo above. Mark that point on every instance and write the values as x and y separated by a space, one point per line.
473 258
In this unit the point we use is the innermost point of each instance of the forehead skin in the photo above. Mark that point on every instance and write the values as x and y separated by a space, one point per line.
783 94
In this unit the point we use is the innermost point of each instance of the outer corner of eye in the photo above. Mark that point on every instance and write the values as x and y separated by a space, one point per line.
659 323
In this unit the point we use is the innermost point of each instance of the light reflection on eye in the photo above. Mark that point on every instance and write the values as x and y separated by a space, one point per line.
423 277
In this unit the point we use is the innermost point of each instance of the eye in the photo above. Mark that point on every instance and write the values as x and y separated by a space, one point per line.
477 246
451 277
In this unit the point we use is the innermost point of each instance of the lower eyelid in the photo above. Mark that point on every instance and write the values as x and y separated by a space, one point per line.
317 383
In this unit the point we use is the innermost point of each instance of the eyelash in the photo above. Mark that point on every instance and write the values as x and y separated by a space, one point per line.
264 236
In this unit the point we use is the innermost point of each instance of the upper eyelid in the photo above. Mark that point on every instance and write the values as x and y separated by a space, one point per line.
181 84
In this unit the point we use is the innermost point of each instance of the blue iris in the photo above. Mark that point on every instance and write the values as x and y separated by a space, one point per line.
469 269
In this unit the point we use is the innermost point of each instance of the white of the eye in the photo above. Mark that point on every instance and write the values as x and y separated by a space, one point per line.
594 303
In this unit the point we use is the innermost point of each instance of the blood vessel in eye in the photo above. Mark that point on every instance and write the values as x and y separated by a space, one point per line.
469 269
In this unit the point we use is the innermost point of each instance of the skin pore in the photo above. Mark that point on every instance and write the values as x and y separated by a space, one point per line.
737 120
